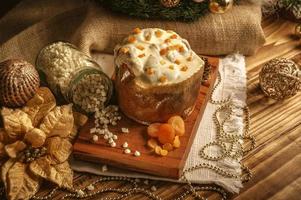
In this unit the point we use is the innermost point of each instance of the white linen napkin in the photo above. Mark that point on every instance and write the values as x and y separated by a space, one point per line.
233 82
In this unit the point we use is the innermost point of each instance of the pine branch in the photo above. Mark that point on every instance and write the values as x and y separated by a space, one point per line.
187 10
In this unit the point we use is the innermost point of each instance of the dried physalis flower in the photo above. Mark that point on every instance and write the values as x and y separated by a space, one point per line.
137 31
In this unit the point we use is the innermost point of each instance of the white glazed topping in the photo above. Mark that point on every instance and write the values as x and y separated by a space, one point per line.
157 57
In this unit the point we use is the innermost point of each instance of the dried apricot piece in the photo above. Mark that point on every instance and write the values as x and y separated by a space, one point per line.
177 142
163 152
158 150
166 134
153 129
168 147
152 143
178 124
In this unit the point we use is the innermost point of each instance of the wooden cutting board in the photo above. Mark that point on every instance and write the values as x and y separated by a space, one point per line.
170 166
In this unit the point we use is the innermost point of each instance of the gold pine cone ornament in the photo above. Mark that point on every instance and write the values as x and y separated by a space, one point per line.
220 6
280 78
19 81
170 3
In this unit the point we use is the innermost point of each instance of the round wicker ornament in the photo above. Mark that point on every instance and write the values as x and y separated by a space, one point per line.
19 81
220 6
280 78
170 3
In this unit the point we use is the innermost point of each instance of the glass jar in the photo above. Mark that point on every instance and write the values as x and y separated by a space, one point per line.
75 76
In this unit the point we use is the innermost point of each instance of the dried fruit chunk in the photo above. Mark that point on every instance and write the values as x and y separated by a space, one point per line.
163 152
152 143
166 134
178 124
35 137
168 147
158 150
177 142
153 129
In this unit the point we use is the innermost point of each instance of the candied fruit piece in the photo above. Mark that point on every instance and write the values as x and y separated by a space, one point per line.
163 152
166 134
163 52
158 33
152 143
137 30
168 147
177 142
158 150
140 47
178 125
174 36
153 129
141 55
177 62
131 39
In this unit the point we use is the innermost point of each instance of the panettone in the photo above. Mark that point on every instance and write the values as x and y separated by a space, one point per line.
157 75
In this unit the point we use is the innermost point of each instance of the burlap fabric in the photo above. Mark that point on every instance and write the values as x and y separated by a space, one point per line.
35 23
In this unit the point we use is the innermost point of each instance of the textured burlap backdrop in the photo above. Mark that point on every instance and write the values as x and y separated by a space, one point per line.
35 23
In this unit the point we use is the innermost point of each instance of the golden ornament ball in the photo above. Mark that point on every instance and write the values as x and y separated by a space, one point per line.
220 6
170 3
298 30
280 78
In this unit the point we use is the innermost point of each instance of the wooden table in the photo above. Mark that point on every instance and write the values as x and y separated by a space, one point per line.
276 160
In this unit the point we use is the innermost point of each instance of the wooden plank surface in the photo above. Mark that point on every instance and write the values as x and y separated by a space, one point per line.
276 160
170 166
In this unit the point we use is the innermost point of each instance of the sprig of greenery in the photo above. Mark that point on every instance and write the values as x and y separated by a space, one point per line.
187 10
290 3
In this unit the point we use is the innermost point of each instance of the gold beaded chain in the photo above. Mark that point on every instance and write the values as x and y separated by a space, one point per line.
222 138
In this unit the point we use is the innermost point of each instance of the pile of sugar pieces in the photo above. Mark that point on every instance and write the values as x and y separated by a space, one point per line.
104 118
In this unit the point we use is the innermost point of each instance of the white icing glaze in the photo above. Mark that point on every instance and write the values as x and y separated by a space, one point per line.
157 57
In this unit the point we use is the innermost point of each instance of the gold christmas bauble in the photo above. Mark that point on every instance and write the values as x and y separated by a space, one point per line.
170 3
220 6
280 78
298 30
